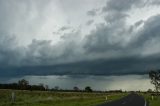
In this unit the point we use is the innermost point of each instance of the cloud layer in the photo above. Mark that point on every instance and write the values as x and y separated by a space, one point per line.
45 38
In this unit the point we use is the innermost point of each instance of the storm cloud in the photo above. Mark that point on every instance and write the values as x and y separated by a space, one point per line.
90 41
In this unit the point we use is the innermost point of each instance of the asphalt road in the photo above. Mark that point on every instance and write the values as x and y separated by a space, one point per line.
130 100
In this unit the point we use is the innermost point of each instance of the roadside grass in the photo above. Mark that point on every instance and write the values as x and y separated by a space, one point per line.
50 98
154 102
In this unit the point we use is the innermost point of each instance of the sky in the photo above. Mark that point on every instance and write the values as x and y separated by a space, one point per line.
79 37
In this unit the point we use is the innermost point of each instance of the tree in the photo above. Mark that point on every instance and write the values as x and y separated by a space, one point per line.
155 79
23 84
46 87
88 89
75 88
56 88
149 90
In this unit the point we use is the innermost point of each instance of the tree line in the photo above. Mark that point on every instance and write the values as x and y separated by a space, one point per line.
23 84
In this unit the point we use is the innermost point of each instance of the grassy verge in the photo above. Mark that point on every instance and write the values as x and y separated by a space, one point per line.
152 102
45 98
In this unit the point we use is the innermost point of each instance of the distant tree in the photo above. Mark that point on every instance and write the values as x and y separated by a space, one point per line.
149 90
37 87
23 84
56 88
41 87
88 89
46 87
155 79
75 88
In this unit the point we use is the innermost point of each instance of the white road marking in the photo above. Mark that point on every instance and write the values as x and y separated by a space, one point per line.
145 104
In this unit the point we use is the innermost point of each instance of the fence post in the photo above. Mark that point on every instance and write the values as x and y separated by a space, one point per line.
106 98
13 97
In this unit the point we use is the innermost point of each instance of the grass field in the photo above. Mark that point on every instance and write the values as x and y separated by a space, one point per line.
152 102
47 98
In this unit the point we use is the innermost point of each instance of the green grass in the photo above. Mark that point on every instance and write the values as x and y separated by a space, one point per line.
152 102
46 98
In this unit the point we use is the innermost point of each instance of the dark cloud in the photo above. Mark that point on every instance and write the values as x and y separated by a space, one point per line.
38 52
121 66
105 38
64 28
149 31
153 2
114 37
139 23
10 53
120 5
43 52
92 12
115 16
89 22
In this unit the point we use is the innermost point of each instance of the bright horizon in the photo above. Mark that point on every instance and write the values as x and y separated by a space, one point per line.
100 83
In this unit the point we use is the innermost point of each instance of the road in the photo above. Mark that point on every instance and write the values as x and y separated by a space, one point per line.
130 100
